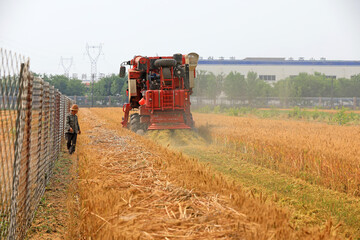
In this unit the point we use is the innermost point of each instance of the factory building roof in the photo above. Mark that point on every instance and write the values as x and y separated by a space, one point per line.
277 61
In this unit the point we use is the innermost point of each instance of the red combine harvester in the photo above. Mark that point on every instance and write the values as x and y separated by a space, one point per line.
160 87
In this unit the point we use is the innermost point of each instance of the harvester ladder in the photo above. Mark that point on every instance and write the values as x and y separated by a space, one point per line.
168 99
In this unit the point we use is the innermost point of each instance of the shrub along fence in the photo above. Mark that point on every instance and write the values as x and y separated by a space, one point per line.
32 115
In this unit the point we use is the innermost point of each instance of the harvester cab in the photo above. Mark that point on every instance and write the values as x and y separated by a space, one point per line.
160 88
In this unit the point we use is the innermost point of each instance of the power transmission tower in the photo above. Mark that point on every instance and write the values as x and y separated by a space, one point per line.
66 63
93 60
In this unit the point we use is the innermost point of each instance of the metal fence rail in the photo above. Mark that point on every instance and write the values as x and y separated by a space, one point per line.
263 102
258 102
99 101
32 127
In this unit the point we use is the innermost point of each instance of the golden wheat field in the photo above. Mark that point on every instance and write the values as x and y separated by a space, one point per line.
131 187
320 153
7 139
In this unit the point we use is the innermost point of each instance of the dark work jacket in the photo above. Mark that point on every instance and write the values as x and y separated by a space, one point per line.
72 122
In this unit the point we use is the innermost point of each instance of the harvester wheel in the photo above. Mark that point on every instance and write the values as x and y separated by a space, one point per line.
140 132
134 115
144 126
134 122
192 125
134 127
190 122
165 63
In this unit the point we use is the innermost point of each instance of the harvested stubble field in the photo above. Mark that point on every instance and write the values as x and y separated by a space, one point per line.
132 188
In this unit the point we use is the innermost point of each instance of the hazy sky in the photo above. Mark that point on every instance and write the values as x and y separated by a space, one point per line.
45 30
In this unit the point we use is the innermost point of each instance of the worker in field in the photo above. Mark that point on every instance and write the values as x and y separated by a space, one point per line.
72 128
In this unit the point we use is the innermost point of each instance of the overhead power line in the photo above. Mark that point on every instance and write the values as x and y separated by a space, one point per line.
66 63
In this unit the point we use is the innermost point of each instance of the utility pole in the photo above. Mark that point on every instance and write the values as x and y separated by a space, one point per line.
93 60
66 63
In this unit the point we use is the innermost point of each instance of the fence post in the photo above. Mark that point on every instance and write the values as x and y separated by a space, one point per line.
52 142
57 121
46 144
24 216
13 228
39 150
61 110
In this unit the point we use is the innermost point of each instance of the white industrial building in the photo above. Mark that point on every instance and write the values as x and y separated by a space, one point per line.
274 69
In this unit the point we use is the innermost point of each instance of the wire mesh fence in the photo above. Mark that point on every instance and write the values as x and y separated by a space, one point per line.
32 127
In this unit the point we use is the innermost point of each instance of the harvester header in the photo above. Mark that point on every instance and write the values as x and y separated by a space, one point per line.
160 87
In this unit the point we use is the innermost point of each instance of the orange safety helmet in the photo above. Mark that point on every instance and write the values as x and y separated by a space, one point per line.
74 107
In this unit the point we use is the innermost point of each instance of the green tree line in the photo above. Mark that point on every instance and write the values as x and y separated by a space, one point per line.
111 85
235 85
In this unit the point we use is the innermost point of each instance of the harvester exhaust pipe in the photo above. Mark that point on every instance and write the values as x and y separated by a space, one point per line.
192 60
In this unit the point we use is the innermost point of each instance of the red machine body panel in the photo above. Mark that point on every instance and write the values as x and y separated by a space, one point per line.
167 120
133 74
165 99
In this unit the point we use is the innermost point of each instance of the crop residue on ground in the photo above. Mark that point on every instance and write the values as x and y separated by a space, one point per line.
130 187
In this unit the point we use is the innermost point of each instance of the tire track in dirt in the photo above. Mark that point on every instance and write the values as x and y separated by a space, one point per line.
131 188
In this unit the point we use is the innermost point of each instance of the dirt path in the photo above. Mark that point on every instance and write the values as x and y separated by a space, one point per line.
131 188
55 214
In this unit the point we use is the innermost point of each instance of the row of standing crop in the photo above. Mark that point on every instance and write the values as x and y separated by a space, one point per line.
319 153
